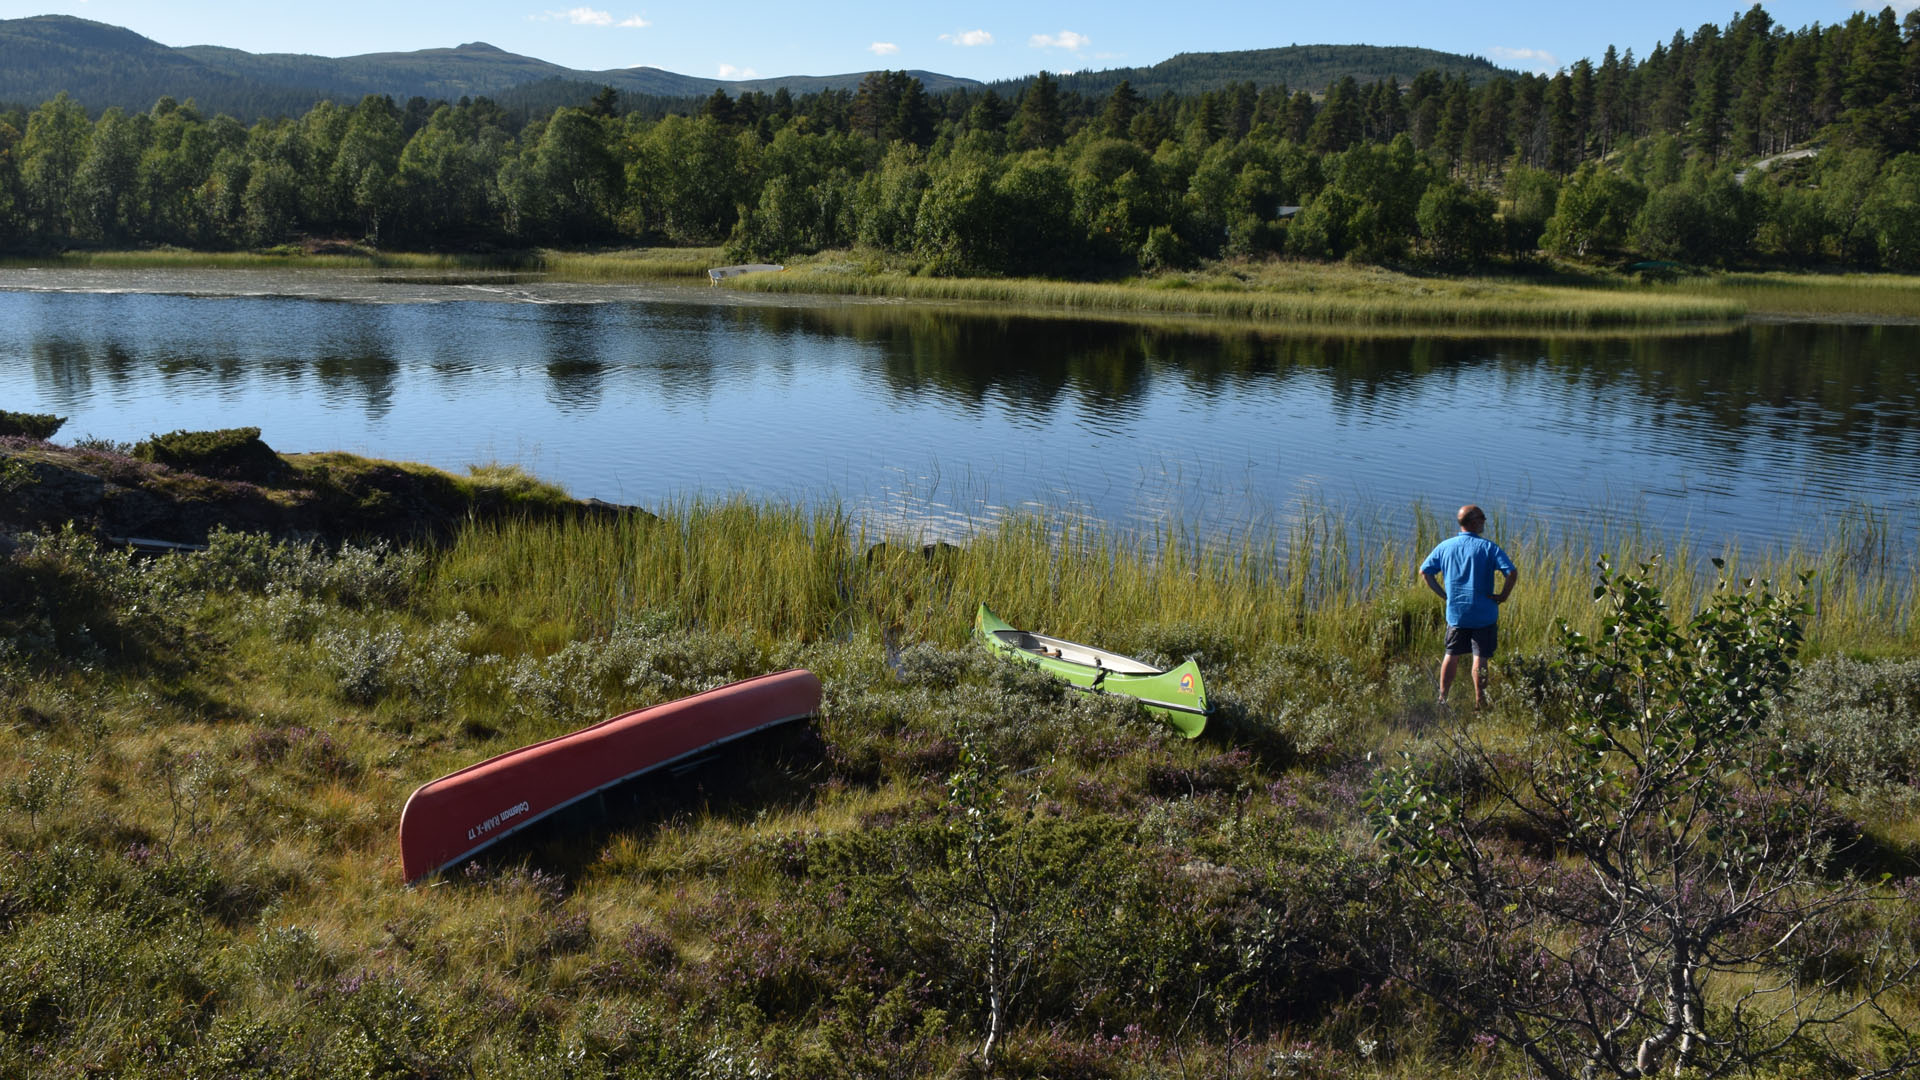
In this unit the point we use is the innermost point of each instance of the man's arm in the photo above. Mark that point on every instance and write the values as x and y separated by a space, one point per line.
1433 582
1507 586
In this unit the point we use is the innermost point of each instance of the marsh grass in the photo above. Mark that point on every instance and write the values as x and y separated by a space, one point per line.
635 264
352 258
777 573
1824 296
632 264
1286 292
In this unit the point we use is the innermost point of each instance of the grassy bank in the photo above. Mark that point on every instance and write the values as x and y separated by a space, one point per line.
1271 292
1314 294
636 264
1816 296
204 758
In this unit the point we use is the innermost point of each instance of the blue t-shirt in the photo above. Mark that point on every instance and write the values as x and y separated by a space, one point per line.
1467 563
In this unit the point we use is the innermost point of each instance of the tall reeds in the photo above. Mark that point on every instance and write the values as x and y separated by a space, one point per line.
1335 297
778 572
1816 295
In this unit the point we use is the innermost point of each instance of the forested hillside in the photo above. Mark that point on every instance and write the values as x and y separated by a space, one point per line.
103 66
1314 66
1657 157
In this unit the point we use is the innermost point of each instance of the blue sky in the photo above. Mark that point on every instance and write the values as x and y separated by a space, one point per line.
985 39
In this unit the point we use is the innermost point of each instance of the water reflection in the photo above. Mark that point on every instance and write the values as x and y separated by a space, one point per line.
951 415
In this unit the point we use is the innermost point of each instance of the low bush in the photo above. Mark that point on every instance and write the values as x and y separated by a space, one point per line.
29 425
227 454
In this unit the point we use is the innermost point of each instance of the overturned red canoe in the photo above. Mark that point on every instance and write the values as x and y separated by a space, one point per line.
449 819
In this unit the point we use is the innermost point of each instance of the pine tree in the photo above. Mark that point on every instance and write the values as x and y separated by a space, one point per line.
1609 103
1037 123
1787 115
1122 106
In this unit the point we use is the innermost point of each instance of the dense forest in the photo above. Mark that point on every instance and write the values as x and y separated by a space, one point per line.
1671 156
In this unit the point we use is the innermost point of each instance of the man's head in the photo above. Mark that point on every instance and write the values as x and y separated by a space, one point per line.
1471 518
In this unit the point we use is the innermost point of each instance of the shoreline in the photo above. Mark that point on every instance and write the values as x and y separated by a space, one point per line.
1275 294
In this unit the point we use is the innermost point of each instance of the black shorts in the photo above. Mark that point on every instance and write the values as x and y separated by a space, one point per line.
1478 640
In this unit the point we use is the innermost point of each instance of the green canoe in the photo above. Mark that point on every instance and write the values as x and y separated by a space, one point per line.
1178 695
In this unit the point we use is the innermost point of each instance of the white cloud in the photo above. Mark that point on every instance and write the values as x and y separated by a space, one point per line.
1539 61
883 48
1065 39
728 71
586 16
969 38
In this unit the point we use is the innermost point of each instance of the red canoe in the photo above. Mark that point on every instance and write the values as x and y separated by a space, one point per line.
449 819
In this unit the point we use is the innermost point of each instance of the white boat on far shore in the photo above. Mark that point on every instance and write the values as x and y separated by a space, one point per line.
720 273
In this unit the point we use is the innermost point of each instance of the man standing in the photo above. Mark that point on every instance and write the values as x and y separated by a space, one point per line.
1468 561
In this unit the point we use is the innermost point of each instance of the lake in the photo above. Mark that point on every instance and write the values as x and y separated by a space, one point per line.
943 418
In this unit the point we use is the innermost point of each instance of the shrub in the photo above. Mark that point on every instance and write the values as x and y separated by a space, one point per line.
30 425
367 664
1856 718
63 595
1164 250
228 454
589 679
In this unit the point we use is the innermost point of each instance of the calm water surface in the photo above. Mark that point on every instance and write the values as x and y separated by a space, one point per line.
945 418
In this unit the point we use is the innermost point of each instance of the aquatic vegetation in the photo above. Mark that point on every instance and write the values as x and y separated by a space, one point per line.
1289 293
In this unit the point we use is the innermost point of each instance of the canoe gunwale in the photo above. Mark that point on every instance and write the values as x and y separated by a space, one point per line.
534 819
454 817
1142 686
1121 665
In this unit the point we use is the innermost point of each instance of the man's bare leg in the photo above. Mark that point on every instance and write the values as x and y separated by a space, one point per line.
1447 665
1479 682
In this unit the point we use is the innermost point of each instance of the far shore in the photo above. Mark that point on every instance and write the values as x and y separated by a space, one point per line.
1279 292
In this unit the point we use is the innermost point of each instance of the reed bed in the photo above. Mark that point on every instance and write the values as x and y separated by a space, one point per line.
1823 296
1399 301
638 264
635 264
276 259
776 572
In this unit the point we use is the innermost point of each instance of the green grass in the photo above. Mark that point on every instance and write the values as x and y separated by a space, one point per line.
350 258
1297 293
777 573
203 758
1836 296
637 264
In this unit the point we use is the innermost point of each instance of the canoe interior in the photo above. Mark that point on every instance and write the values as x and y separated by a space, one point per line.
1074 653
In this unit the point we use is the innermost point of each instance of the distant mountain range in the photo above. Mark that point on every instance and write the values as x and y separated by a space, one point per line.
102 66
1300 67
